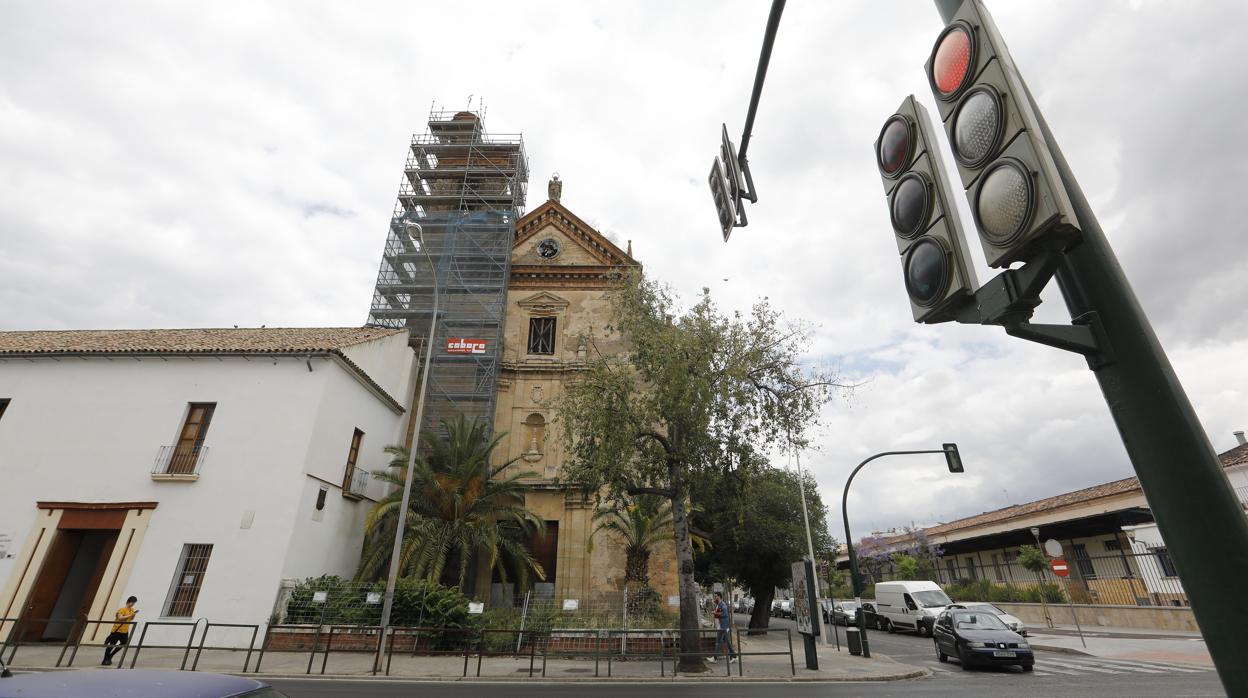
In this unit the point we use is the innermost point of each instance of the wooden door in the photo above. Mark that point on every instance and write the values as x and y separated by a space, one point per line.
186 451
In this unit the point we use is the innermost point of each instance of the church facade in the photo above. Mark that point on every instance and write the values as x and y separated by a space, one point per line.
561 268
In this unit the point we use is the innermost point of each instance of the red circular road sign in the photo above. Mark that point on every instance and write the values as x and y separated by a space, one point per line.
1058 565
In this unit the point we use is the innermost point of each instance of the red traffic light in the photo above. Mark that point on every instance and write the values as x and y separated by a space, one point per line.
952 58
895 147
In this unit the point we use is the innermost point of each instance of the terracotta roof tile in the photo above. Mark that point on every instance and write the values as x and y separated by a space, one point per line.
243 340
264 340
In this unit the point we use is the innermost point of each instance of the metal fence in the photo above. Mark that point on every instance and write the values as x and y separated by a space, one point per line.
1120 578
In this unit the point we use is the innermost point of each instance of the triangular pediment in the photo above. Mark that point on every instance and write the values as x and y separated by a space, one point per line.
569 241
543 301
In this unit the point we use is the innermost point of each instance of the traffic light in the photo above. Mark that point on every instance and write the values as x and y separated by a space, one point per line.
1016 195
725 202
925 223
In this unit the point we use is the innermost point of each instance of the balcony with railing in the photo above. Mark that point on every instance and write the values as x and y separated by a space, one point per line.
355 482
179 463
1242 494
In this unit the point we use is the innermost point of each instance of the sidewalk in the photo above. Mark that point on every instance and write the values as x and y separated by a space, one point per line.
833 665
1125 643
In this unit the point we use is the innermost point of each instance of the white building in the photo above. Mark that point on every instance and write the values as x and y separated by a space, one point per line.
194 469
1157 570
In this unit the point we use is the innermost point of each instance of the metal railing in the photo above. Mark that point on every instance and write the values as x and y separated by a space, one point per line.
355 481
179 460
1242 494
1118 578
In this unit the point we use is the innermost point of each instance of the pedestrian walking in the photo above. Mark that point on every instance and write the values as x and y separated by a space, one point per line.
723 622
120 636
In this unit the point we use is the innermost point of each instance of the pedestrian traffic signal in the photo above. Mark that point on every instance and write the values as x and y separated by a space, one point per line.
925 223
1016 195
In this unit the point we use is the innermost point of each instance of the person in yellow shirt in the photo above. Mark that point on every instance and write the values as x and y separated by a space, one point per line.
120 637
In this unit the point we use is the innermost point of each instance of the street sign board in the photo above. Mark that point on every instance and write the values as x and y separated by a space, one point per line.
1053 548
1059 567
805 605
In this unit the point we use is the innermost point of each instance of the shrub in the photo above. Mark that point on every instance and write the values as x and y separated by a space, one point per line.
416 602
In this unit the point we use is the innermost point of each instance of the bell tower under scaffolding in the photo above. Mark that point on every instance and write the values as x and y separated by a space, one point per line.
465 189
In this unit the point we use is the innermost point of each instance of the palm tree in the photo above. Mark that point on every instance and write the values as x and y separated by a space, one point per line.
458 512
640 524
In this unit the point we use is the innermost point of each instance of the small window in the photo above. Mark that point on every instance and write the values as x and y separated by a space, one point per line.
1167 565
996 567
188 580
952 566
970 569
4 404
1079 552
349 477
1112 545
542 335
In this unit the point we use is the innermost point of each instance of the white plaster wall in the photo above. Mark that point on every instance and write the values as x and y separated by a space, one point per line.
388 361
89 430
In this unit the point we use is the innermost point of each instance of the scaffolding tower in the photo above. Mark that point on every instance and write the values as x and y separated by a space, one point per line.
465 190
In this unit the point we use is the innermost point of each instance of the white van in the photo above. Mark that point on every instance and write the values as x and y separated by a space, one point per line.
909 605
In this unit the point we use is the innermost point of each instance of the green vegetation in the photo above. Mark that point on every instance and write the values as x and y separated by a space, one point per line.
984 590
697 391
457 513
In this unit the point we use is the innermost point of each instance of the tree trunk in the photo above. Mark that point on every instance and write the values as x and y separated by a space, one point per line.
760 618
690 637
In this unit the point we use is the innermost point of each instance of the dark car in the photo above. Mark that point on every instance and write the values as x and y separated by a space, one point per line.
133 683
979 637
869 617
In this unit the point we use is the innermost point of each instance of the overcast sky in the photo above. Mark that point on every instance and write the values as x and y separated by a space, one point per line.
210 164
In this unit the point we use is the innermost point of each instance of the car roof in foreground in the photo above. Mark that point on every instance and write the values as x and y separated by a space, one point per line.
126 683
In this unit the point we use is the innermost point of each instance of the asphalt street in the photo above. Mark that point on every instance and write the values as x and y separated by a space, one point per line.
1056 674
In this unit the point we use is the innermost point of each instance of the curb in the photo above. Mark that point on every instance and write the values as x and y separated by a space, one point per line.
900 676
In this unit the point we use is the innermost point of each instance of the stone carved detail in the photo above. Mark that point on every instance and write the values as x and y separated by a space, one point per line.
536 395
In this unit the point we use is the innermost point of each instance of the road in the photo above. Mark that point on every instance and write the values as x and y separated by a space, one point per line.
1056 674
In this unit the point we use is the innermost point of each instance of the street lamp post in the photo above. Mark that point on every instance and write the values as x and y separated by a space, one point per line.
393 576
810 546
952 458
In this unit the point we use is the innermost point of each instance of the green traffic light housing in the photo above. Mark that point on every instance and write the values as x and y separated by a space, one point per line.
953 458
926 227
1020 204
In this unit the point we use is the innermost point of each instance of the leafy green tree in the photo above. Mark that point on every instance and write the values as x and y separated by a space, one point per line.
696 390
906 566
1032 558
459 512
757 531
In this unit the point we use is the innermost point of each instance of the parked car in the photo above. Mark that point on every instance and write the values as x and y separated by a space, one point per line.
909 605
134 683
870 618
782 608
745 604
1010 621
845 613
979 637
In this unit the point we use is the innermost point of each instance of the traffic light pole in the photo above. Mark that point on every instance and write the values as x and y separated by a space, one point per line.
954 461
1199 517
